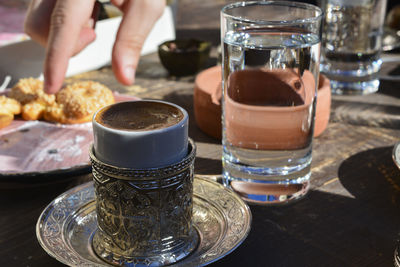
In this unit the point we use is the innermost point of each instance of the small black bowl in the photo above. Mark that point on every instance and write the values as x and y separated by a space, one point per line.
184 57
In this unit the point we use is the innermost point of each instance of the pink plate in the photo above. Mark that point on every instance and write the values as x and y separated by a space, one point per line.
37 147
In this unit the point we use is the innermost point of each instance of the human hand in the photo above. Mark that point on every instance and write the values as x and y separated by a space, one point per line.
65 27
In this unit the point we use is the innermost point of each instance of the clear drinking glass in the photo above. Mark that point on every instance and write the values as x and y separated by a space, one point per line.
271 52
351 44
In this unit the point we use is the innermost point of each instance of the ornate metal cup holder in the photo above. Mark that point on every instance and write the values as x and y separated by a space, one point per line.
144 216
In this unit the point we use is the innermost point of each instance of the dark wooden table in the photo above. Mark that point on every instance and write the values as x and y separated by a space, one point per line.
351 216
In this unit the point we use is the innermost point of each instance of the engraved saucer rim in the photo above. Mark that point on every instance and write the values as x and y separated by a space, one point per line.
193 259
396 154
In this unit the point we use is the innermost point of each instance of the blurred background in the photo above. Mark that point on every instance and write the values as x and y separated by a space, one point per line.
200 19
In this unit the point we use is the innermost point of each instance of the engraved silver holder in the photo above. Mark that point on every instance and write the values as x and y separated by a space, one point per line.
144 216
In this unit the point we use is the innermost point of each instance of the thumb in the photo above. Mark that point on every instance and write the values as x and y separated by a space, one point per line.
137 22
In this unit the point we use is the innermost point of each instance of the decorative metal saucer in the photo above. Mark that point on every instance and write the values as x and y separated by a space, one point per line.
396 259
66 226
396 159
396 154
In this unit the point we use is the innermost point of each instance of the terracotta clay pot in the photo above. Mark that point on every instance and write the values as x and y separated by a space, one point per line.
207 96
257 116
323 105
207 110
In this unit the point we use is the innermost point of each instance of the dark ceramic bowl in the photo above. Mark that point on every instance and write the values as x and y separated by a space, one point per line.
184 57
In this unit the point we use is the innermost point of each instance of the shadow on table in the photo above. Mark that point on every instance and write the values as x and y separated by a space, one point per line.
391 88
372 177
326 229
208 166
20 208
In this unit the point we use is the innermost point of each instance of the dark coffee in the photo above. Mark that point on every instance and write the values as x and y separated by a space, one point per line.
139 116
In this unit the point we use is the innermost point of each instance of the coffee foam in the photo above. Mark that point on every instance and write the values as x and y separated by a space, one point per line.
139 116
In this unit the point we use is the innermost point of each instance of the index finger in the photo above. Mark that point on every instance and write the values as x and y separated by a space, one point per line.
67 21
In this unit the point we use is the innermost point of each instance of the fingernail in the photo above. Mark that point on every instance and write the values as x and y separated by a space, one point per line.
49 88
129 74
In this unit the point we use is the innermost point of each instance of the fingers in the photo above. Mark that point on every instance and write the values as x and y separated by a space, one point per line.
69 33
138 20
65 27
37 19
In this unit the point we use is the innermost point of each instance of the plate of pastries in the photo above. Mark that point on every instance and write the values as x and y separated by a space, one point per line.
44 133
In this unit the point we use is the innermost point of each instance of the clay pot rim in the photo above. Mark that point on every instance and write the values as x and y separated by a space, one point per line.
323 82
323 85
279 109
